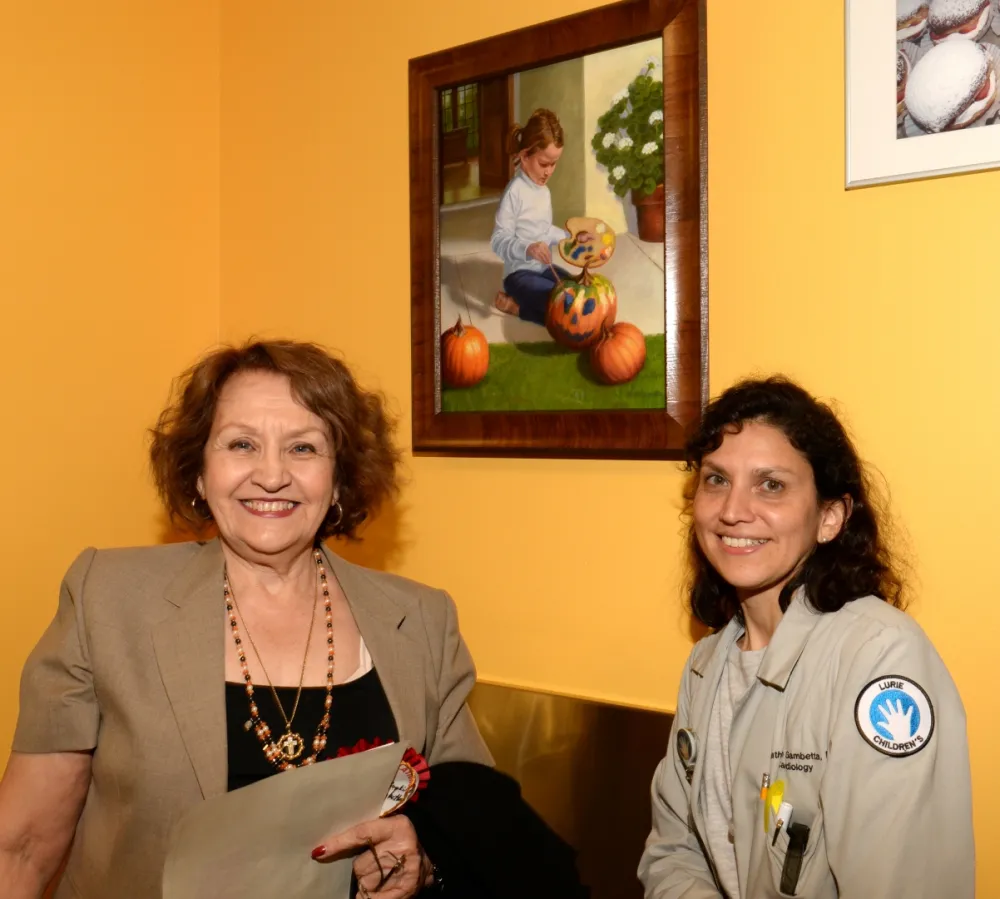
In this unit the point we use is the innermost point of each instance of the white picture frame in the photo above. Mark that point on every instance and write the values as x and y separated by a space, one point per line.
874 152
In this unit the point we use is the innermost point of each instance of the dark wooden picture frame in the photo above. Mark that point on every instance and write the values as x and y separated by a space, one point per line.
653 434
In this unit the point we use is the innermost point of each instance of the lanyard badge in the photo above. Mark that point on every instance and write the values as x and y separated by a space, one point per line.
687 751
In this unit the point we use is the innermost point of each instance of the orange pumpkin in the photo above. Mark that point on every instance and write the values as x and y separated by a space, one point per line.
620 354
465 355
578 308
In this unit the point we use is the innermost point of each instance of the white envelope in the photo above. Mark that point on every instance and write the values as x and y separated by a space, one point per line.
255 842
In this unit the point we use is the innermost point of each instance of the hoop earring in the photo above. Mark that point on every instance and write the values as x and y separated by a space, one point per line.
340 513
205 516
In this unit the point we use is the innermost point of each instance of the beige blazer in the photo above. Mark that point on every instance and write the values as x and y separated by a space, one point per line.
132 667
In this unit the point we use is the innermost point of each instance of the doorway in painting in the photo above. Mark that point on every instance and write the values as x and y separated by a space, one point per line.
475 119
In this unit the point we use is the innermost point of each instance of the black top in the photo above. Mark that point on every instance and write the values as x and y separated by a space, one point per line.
360 711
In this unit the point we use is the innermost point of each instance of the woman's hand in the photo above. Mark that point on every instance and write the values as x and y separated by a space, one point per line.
388 858
540 251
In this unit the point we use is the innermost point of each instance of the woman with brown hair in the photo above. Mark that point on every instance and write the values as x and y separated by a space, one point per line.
175 673
819 748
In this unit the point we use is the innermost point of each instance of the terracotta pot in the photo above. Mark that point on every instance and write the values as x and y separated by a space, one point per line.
650 215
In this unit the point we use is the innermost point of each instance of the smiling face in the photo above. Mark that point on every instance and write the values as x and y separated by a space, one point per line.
756 512
540 165
269 468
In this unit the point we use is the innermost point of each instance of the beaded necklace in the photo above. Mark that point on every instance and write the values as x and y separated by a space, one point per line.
283 752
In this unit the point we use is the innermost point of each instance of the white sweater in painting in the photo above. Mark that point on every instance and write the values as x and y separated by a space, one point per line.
524 217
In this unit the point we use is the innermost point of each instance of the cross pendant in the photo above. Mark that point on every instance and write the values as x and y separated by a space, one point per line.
290 745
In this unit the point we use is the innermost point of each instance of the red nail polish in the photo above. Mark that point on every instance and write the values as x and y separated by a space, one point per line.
318 851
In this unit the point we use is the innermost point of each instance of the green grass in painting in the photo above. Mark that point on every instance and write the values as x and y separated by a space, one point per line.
545 377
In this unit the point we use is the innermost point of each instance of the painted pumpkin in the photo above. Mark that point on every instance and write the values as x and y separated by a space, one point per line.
578 308
620 353
465 355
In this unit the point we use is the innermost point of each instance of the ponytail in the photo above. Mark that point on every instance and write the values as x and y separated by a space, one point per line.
514 136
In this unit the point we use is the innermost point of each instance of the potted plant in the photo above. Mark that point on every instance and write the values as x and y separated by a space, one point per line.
629 144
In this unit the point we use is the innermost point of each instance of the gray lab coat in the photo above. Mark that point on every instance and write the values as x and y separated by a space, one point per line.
888 820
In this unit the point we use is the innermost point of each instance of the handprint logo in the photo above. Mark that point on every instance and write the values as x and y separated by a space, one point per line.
895 715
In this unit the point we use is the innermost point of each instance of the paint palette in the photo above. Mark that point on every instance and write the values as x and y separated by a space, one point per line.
592 253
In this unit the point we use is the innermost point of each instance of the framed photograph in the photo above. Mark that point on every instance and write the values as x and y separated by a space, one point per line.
946 61
558 237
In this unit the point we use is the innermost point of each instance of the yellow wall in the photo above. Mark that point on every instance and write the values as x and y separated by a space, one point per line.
108 276
565 572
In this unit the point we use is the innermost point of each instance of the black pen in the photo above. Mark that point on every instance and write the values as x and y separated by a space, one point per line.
783 817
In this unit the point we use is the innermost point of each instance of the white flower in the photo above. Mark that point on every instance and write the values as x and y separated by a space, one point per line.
608 140
625 143
649 148
621 95
655 116
624 114
618 172
652 62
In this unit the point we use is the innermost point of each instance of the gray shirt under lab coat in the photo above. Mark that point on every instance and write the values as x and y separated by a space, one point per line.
858 725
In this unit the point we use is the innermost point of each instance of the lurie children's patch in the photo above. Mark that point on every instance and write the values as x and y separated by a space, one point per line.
895 715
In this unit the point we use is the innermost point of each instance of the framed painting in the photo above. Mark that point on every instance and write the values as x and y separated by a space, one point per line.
946 59
558 236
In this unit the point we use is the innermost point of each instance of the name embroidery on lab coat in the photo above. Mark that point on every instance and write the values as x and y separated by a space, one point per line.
796 761
894 715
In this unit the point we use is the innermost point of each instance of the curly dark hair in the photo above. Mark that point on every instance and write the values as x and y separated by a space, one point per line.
857 562
366 461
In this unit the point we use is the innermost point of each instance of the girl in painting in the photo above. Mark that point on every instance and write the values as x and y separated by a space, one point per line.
523 232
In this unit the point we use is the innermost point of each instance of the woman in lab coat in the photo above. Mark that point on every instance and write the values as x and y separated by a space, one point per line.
819 747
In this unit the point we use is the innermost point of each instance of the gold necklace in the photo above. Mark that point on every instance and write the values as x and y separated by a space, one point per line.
283 752
291 744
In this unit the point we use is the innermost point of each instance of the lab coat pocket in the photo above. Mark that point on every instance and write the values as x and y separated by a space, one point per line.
792 854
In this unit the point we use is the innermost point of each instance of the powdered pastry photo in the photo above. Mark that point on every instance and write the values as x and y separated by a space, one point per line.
947 58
